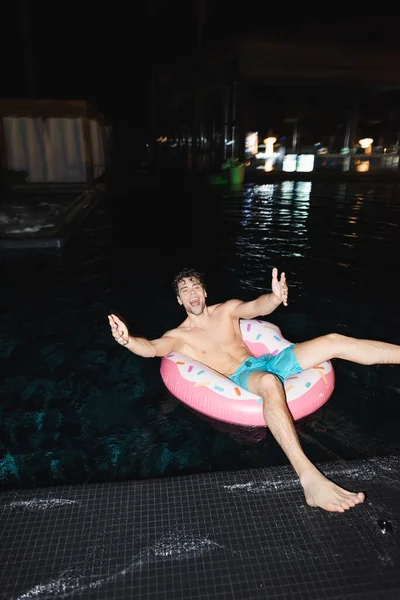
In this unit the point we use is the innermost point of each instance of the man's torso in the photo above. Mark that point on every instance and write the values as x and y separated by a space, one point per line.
219 345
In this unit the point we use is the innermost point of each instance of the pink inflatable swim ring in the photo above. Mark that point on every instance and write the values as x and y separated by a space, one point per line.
209 392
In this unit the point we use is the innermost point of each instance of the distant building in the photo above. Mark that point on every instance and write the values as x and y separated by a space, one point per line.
315 99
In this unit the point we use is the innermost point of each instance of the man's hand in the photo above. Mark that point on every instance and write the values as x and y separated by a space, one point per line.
279 287
119 330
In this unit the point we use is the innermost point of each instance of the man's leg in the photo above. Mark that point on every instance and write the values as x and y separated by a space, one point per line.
318 490
364 352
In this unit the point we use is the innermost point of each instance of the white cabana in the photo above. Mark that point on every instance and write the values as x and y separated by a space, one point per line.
53 141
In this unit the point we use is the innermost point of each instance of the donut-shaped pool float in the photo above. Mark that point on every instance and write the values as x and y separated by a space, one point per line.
216 396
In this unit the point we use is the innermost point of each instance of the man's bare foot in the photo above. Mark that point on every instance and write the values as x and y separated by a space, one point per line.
320 491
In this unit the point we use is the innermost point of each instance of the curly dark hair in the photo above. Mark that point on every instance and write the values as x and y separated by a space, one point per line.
186 274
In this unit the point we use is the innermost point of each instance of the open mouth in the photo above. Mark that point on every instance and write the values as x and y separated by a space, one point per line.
194 302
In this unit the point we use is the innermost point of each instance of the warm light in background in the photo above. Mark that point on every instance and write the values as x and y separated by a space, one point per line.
269 145
269 165
252 143
362 166
366 143
269 152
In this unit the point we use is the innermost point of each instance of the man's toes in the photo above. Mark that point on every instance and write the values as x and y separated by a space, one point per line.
356 498
337 507
353 500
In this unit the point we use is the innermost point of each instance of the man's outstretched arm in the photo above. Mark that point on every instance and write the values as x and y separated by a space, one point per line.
151 348
265 304
141 346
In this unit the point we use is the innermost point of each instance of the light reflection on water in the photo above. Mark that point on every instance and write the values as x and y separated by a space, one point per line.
273 227
337 226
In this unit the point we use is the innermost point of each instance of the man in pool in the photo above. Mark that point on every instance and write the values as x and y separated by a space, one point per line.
212 335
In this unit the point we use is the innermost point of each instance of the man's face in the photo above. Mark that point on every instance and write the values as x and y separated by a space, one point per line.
191 295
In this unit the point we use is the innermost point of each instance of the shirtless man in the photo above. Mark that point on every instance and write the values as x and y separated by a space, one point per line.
212 335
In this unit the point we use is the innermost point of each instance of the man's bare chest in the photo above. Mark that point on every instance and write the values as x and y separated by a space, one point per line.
218 334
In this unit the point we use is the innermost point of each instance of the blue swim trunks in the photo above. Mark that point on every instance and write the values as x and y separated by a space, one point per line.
283 365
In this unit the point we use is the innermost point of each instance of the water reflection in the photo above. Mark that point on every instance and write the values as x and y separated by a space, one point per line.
273 228
287 190
265 192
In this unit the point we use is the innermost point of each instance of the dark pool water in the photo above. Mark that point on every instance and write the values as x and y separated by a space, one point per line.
77 407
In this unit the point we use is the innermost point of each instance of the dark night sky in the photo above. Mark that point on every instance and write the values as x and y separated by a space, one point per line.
80 50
